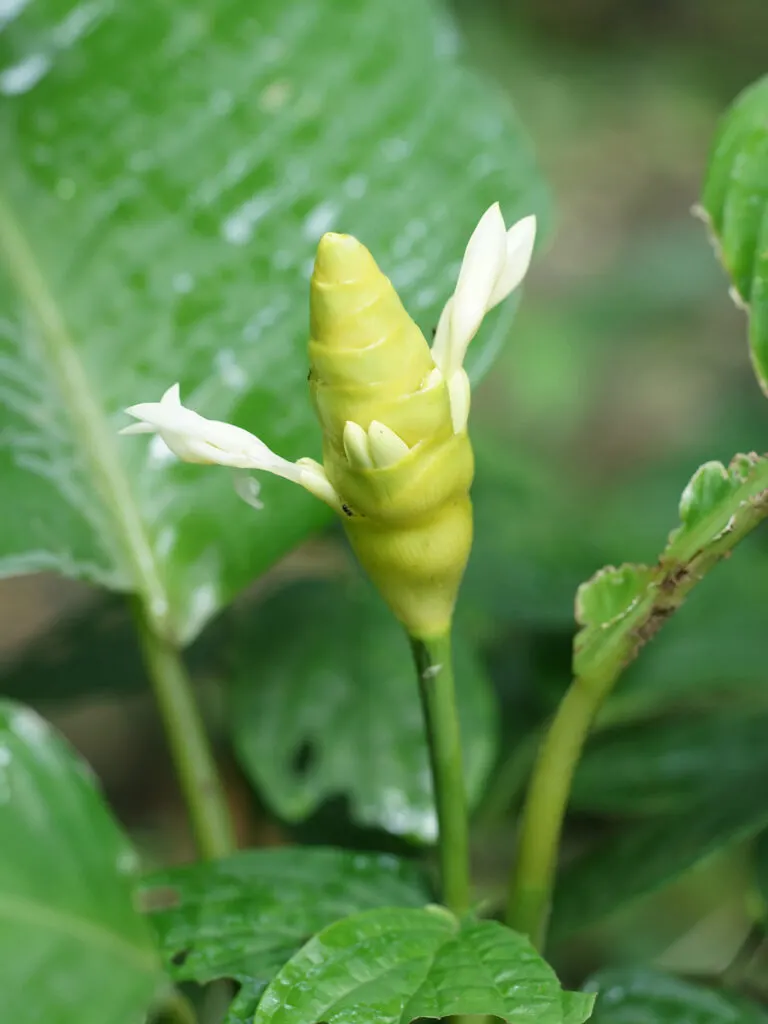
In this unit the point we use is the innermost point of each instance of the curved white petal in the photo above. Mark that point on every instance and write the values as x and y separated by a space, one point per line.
442 340
387 448
483 262
520 240
193 438
356 448
459 395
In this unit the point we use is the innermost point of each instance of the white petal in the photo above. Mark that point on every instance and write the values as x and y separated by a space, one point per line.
356 446
312 477
441 343
387 448
520 239
459 395
172 396
483 263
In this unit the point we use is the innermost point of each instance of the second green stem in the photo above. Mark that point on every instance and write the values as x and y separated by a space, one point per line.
436 686
533 878
191 751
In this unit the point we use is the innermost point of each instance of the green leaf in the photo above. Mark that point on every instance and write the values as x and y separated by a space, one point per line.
326 680
620 609
735 203
665 767
72 945
646 856
158 215
242 917
393 965
640 995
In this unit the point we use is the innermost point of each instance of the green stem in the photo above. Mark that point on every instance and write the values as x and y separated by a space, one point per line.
533 878
438 700
191 751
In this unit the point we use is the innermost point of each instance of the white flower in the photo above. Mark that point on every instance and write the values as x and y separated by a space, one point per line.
495 262
193 438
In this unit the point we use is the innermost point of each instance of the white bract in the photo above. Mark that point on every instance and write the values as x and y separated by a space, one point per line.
495 262
193 438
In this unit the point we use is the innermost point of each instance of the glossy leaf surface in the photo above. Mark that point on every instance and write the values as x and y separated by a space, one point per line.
245 916
158 218
72 945
395 965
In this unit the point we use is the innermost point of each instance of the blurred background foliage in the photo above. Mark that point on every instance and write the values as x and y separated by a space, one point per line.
626 367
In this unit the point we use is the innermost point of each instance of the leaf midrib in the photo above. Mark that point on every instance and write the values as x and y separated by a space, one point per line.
90 426
23 911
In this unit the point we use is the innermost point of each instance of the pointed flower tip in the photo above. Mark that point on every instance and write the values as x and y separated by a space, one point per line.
341 258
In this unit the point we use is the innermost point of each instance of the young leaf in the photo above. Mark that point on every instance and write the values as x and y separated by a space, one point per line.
394 965
346 694
640 995
244 916
646 856
735 203
666 767
157 217
72 945
620 609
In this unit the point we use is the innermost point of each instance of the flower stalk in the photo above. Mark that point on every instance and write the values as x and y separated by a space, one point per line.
200 783
434 666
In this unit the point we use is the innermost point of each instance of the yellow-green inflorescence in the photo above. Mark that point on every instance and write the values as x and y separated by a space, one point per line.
397 461
408 520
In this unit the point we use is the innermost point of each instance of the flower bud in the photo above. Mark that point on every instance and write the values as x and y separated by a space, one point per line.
409 517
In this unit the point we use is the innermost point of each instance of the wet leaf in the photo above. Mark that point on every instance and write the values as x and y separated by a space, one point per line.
396 965
243 917
158 215
72 945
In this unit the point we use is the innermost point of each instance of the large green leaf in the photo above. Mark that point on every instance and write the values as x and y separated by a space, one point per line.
243 917
735 202
646 856
643 996
394 965
167 172
668 766
326 681
72 945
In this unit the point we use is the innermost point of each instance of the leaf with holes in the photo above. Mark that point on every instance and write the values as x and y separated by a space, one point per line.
346 694
243 917
640 995
72 945
157 220
735 204
395 965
